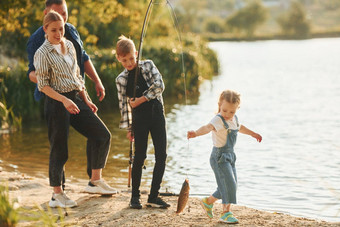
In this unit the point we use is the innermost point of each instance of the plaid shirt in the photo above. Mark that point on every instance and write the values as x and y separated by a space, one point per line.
154 81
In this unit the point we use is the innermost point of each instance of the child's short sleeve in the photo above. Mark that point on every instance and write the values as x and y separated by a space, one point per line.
217 123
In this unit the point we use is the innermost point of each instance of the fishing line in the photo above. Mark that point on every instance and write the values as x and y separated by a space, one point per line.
176 26
143 34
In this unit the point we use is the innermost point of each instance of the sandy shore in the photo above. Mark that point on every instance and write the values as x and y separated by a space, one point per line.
95 210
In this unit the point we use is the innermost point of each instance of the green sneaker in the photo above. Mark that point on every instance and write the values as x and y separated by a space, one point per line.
207 207
229 218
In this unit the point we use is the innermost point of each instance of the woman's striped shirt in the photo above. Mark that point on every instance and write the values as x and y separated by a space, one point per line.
52 70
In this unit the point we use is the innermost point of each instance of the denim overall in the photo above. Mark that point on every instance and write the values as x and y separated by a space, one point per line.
222 161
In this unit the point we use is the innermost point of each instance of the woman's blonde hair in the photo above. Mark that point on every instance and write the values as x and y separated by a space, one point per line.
124 46
230 96
50 17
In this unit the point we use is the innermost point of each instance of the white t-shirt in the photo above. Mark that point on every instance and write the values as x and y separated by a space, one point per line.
66 56
219 135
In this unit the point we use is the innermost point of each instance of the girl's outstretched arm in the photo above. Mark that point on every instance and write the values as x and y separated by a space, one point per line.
245 130
201 131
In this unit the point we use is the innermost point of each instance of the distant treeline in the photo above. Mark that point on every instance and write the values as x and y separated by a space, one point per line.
259 19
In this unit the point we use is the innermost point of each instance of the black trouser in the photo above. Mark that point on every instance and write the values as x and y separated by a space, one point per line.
150 119
87 123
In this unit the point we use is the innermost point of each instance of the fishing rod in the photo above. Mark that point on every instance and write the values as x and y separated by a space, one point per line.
139 53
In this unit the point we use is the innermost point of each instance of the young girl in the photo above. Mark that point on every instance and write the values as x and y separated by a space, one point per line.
224 127
67 104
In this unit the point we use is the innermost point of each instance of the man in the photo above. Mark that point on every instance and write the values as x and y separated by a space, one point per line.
96 184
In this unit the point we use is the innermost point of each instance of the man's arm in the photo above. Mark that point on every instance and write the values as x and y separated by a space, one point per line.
32 77
92 74
33 44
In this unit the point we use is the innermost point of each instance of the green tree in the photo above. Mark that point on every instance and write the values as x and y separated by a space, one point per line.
191 14
214 25
294 22
17 20
248 18
99 23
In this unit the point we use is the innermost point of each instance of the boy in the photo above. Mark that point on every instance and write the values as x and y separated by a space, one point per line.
147 116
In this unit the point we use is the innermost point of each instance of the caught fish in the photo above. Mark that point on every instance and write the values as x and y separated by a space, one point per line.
183 196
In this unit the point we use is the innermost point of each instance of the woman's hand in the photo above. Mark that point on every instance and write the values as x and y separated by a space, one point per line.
129 135
92 106
70 106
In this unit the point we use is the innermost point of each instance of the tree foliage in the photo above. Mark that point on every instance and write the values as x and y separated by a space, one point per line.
294 22
100 23
17 20
248 18
214 25
190 14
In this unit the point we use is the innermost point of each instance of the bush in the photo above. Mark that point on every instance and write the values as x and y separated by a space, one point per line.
9 215
214 25
248 18
294 22
200 63
17 92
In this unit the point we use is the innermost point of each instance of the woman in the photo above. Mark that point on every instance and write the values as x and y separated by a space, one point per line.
67 104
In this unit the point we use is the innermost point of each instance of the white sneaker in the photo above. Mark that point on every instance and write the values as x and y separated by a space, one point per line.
100 187
61 200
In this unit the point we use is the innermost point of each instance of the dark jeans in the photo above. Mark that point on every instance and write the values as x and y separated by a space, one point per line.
145 120
86 123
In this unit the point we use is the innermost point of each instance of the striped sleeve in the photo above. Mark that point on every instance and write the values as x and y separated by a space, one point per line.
73 53
41 70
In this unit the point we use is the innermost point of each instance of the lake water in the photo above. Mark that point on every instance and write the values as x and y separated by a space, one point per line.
290 92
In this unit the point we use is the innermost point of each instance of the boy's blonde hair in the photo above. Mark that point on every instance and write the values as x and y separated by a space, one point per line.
230 96
50 17
125 46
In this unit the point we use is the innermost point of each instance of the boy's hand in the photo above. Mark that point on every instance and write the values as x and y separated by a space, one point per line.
191 134
258 137
137 101
130 136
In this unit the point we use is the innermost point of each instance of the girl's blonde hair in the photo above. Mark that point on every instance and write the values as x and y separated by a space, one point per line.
124 46
229 96
50 17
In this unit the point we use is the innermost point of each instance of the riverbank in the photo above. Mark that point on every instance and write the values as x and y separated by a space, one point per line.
94 210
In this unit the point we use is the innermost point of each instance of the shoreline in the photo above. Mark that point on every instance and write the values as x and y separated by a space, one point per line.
315 35
96 210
